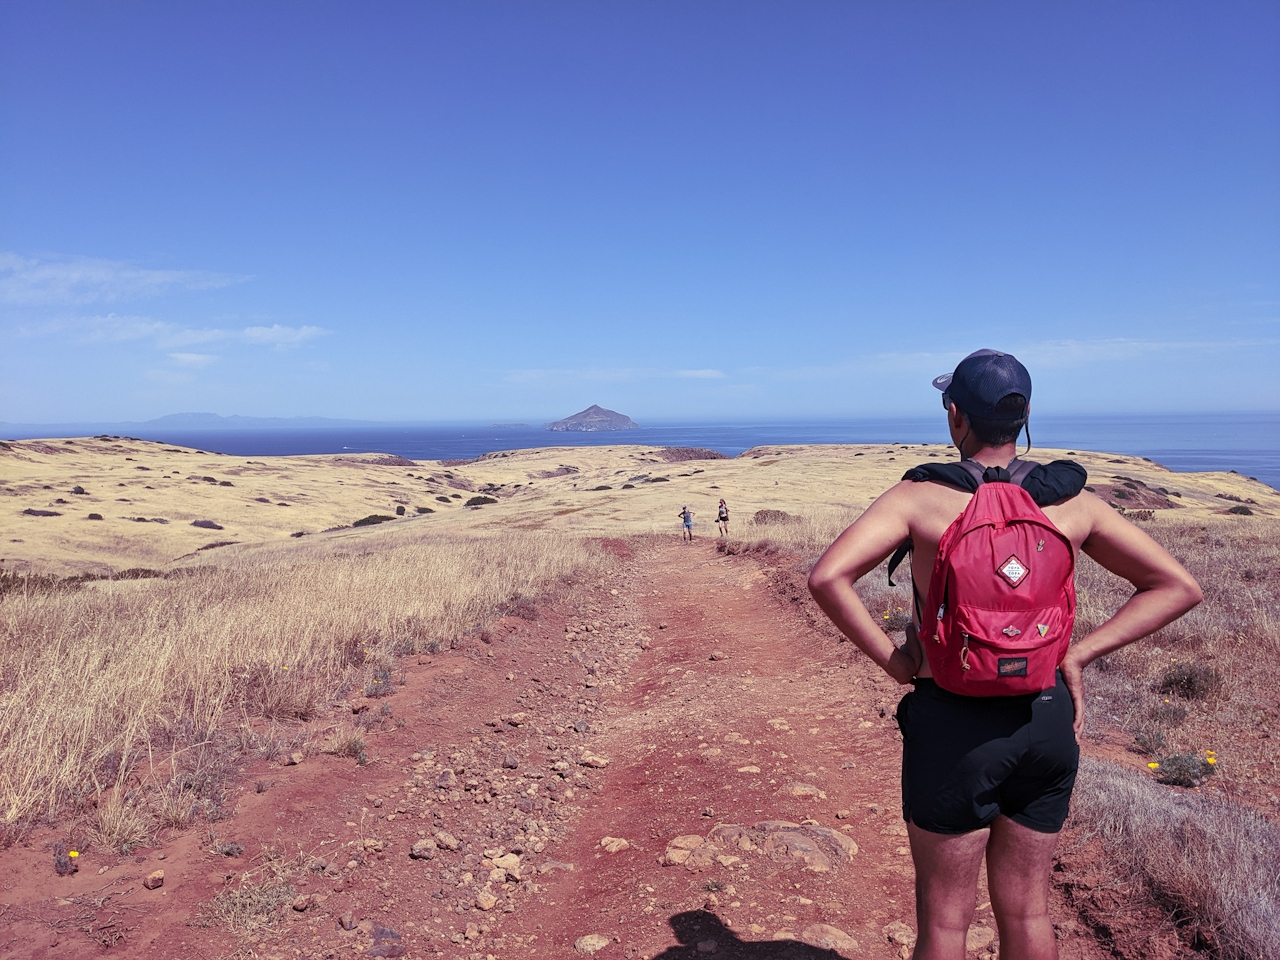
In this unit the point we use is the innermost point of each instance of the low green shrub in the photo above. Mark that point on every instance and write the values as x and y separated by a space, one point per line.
370 520
1148 741
479 501
1184 770
1191 681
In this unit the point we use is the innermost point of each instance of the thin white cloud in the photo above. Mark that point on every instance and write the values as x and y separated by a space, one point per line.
280 336
196 360
100 329
701 374
166 336
59 281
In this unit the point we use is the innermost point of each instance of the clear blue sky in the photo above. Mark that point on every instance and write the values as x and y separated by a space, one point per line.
676 209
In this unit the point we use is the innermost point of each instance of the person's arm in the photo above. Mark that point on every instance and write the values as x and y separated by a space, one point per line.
1164 591
856 552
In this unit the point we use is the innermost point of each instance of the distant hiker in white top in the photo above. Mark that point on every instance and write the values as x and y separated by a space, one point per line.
722 518
686 517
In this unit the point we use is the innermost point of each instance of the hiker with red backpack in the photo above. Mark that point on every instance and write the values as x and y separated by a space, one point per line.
990 731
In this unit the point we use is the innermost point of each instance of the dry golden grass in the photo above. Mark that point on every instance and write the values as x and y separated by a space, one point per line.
806 535
256 902
593 491
99 682
1208 861
1231 641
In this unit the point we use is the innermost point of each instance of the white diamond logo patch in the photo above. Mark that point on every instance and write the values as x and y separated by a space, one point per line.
1013 570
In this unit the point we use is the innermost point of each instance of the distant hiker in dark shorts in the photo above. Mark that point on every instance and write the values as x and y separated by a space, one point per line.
686 518
722 518
990 732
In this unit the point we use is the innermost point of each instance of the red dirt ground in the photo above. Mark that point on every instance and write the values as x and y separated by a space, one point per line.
711 699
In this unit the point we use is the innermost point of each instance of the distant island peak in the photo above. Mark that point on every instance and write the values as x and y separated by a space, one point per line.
593 419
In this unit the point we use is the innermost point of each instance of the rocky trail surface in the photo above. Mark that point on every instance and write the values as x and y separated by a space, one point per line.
671 761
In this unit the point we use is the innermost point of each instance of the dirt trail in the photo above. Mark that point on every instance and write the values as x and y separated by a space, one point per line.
683 697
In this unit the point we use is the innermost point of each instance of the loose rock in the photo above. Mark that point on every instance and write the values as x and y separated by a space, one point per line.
979 938
614 844
154 880
447 840
423 850
899 933
827 937
591 943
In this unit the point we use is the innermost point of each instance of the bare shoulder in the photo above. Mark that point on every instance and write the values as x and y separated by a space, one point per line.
913 501
1078 517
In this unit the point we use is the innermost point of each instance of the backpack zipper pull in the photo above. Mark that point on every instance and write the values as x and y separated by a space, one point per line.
964 653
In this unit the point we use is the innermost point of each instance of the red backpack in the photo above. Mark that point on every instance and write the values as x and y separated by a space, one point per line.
1002 599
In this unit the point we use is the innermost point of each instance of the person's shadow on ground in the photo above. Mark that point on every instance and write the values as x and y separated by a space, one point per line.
695 928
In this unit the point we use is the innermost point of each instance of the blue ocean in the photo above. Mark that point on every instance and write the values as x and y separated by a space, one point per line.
1246 443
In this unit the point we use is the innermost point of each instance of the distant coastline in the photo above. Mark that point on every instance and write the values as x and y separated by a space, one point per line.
1240 442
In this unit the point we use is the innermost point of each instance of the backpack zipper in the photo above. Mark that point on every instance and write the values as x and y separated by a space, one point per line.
964 652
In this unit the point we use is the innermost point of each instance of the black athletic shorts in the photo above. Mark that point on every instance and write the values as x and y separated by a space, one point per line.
967 759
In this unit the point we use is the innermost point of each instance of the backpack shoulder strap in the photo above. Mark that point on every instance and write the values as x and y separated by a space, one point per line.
1020 469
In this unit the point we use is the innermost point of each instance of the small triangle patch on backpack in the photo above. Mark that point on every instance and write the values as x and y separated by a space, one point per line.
1003 625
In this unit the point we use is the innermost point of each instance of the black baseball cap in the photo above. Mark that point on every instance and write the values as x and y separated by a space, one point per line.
981 380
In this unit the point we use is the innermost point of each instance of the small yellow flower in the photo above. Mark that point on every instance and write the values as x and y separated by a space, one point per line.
1153 765
1211 760
73 853
1210 753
